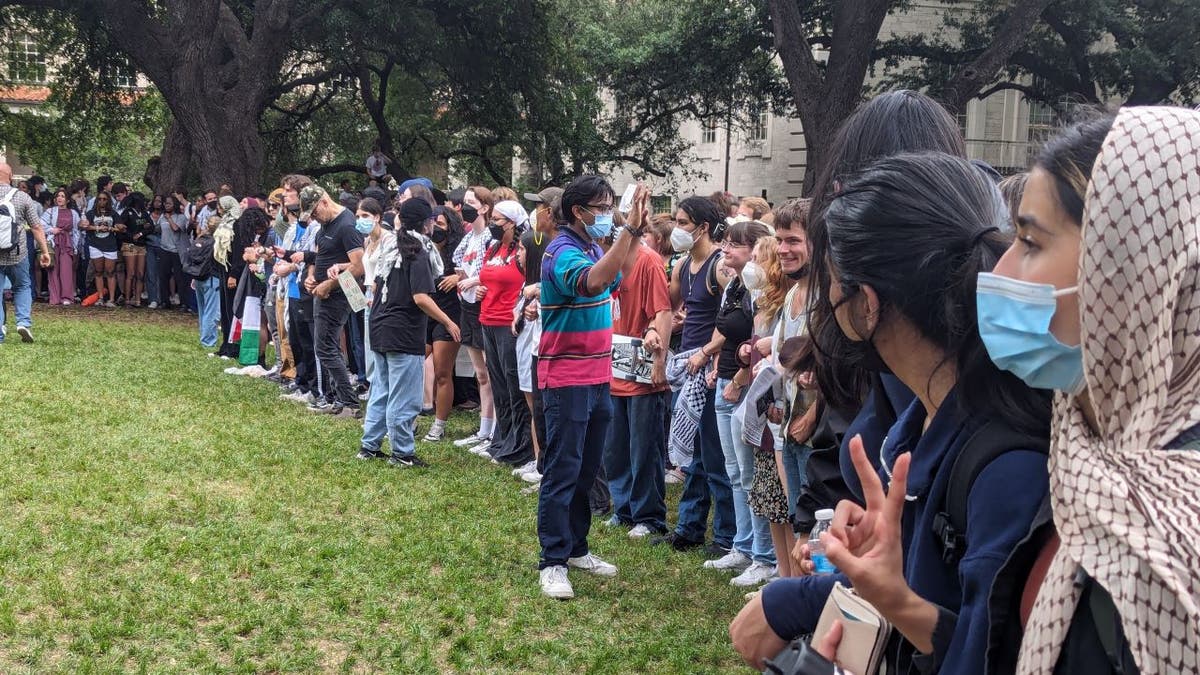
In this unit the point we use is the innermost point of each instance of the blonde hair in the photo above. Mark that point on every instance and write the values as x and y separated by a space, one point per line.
770 302
211 224
758 206
503 194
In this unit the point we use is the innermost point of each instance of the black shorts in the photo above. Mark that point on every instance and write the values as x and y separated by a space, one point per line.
472 331
448 303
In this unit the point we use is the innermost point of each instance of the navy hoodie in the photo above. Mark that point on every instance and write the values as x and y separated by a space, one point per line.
1001 507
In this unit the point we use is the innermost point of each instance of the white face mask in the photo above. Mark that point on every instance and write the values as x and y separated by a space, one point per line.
753 277
681 240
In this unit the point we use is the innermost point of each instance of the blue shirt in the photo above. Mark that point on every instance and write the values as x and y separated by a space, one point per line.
293 280
1002 505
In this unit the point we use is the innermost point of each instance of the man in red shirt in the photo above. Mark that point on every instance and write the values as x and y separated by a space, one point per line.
636 444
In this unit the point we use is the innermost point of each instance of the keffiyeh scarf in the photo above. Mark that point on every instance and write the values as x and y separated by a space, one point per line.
1128 511
685 420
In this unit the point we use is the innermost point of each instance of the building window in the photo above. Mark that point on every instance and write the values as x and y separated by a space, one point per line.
123 75
708 131
1041 123
758 126
961 118
26 63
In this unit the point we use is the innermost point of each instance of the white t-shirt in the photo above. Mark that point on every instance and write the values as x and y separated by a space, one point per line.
376 165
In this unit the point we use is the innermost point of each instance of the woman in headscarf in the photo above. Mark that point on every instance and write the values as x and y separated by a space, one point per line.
1107 257
229 211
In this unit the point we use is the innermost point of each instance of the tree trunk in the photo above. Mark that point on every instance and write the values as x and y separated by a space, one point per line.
166 172
826 98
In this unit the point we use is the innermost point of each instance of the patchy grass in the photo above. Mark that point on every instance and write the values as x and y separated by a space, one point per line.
159 515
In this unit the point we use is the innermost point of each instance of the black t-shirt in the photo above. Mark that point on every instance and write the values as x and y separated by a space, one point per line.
136 223
397 324
736 322
102 241
534 252
337 238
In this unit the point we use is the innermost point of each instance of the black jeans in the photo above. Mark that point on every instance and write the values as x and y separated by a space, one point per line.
300 338
170 267
512 442
227 294
330 318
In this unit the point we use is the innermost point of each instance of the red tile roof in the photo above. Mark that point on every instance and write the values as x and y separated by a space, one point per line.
24 94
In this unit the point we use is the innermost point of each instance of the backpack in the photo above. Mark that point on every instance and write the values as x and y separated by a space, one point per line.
987 443
10 230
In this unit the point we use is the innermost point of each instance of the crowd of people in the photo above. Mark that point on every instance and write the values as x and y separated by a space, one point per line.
995 385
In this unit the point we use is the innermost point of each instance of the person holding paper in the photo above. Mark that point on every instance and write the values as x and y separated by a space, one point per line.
340 247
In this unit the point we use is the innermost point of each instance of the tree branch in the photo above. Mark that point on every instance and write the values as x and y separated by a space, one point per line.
961 88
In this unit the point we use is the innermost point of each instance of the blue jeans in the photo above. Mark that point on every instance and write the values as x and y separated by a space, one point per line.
395 401
208 307
753 536
633 460
22 291
577 421
795 462
705 484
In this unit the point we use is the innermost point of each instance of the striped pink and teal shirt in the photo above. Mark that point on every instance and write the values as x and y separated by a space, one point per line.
576 346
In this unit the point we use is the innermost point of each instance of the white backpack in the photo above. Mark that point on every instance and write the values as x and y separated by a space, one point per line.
10 230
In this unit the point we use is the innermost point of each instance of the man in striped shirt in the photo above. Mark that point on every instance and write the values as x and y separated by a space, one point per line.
574 371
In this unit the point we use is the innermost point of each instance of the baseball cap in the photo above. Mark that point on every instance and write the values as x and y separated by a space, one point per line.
309 196
546 196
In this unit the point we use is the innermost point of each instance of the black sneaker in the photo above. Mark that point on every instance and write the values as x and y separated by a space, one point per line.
426 412
407 461
715 550
369 454
677 542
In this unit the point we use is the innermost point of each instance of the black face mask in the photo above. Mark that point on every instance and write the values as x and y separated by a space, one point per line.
294 209
799 274
212 205
469 213
497 231
863 353
439 235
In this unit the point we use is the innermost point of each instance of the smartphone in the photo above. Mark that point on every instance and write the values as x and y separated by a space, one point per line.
627 198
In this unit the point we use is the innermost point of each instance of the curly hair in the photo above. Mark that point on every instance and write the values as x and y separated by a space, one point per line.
770 302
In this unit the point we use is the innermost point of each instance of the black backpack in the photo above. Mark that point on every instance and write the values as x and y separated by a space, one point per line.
987 443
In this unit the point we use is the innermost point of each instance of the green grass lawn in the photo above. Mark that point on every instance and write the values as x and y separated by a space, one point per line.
159 515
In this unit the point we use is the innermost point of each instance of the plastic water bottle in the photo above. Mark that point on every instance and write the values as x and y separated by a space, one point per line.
816 550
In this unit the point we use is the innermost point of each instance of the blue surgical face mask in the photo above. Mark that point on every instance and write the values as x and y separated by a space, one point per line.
1014 323
364 225
601 227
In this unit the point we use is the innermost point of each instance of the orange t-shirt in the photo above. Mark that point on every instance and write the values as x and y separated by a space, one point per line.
641 295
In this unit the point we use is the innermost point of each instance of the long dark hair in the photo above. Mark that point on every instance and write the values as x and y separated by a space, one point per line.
246 228
1069 158
454 234
918 229
889 124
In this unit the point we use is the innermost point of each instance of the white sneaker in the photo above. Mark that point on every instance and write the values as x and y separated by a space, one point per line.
734 561
639 531
152 305
174 299
524 468
590 563
673 477
555 583
25 333
531 490
481 449
435 434
531 477
472 440
754 575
